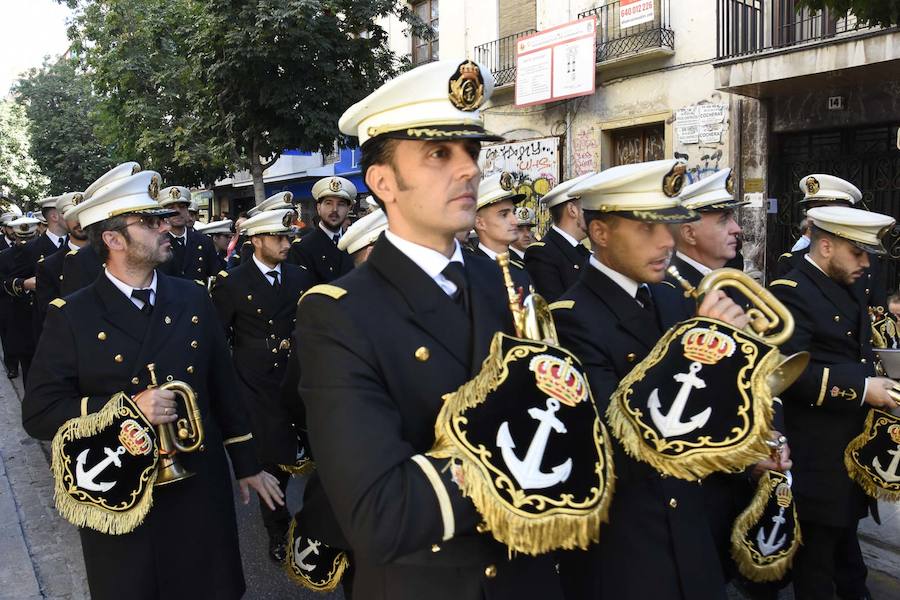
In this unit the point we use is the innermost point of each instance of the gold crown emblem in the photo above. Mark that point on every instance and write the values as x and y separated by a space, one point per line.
135 438
506 182
77 199
783 495
729 183
288 197
153 188
558 379
674 180
523 213
467 87
175 193
334 185
707 345
288 218
812 185
894 432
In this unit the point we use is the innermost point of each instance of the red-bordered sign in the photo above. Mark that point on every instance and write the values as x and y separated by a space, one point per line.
557 63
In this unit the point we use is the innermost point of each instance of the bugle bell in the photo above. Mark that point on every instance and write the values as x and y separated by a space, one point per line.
770 320
184 435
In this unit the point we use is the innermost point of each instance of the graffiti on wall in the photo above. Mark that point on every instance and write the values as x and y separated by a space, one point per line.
700 130
586 151
534 166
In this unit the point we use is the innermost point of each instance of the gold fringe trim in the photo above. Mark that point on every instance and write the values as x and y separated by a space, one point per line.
747 559
307 466
565 526
857 472
341 562
697 461
87 514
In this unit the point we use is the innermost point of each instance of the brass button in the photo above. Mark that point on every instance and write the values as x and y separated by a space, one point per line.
168 320
274 350
849 334
169 378
101 336
200 248
118 358
837 319
490 571
630 357
272 336
199 258
194 344
276 365
867 291
259 311
576 266
435 548
270 321
249 296
862 360
422 354
135 380
190 369
482 527
673 503
195 319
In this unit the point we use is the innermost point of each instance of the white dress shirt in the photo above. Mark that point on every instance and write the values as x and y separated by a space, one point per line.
56 239
430 261
699 266
126 289
518 254
626 283
264 269
329 232
565 235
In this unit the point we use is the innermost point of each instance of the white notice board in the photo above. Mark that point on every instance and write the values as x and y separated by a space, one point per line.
557 63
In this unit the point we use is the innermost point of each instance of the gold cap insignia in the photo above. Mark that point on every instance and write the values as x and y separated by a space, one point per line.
467 87
506 182
153 188
334 185
288 218
175 193
729 184
812 185
77 198
674 180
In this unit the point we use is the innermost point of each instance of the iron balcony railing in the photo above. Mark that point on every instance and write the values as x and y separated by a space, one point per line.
614 41
500 57
746 27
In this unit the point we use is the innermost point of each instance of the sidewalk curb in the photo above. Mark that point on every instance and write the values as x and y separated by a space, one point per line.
16 570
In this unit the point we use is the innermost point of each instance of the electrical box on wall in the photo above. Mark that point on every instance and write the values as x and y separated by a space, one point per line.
835 103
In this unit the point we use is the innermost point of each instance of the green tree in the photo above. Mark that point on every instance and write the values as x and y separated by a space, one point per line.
62 115
20 177
885 13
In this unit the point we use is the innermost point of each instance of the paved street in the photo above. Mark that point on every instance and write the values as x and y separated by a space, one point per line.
42 556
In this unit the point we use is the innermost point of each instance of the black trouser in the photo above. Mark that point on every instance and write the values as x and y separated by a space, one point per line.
829 560
276 521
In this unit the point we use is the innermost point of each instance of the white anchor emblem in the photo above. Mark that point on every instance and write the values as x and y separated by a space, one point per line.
313 548
85 479
670 424
527 471
770 546
890 474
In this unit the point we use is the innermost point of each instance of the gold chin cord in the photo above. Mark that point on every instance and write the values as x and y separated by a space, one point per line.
185 435
770 320
531 316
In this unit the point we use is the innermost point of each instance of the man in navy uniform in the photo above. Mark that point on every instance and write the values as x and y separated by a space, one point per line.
17 275
10 212
193 254
220 234
555 262
827 405
244 250
98 343
658 538
525 222
496 224
318 251
371 405
256 302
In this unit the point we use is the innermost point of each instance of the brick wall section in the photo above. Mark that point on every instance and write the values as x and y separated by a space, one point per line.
516 16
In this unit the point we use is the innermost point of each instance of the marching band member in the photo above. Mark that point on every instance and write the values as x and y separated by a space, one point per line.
371 405
103 339
496 223
525 222
318 251
193 255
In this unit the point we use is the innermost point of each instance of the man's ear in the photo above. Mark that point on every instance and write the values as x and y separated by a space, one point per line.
598 232
381 181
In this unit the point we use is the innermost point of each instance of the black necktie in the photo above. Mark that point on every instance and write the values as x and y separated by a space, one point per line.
336 238
276 284
456 272
144 296
178 250
582 250
62 241
644 297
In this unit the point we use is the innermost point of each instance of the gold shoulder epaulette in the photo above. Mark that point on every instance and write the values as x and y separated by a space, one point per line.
222 274
332 291
296 240
41 259
562 304
58 302
200 282
668 283
517 263
786 255
71 252
787 282
535 244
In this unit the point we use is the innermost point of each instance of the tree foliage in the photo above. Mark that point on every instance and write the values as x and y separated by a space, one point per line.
62 116
885 13
20 177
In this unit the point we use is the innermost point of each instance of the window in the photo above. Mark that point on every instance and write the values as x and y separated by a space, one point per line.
423 50
639 144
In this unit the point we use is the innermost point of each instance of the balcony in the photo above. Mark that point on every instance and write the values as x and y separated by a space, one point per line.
744 28
500 57
765 47
618 44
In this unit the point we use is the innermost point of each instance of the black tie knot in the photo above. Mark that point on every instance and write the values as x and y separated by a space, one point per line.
644 297
144 296
456 272
336 238
274 275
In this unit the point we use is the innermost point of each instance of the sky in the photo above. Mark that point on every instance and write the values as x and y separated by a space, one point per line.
31 30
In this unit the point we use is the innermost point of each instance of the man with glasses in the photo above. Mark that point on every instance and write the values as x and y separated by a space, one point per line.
193 254
256 302
103 339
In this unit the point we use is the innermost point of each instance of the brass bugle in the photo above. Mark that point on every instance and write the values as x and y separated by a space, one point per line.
532 318
770 320
184 435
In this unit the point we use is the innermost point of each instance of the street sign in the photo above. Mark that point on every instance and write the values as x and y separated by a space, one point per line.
557 63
